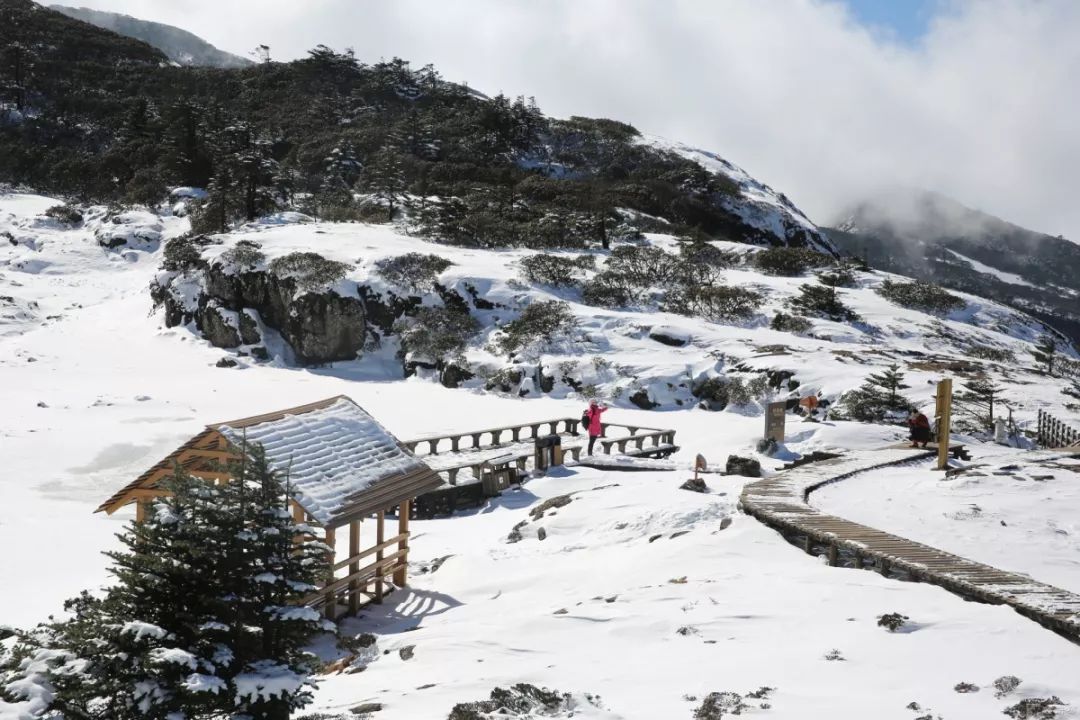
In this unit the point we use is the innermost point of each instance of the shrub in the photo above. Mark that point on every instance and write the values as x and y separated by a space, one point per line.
718 704
703 263
822 301
892 621
437 333
1005 685
415 271
310 270
245 255
991 354
965 687
65 214
1034 708
721 391
539 322
840 276
918 295
607 290
184 253
716 303
556 270
790 323
789 261
644 266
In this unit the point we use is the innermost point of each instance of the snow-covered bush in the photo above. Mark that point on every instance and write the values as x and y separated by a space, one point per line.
244 255
1035 708
644 266
918 295
892 621
416 271
789 261
436 333
822 301
716 303
310 270
720 704
540 322
1005 685
606 290
184 253
521 701
790 323
556 270
840 276
65 214
991 354
878 398
722 390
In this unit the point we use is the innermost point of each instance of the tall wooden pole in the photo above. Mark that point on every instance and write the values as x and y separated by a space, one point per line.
380 518
354 567
331 600
944 419
401 574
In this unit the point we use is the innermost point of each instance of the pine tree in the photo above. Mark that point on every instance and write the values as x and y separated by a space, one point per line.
878 396
890 382
387 180
185 145
979 397
203 621
1044 352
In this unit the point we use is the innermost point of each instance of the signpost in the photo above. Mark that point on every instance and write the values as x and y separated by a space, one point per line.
943 411
700 465
774 421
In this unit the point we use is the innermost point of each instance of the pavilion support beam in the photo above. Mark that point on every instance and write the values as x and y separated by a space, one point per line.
331 600
354 567
140 509
380 522
401 576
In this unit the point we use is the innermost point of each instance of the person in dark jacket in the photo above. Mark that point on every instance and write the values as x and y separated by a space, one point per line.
920 429
595 428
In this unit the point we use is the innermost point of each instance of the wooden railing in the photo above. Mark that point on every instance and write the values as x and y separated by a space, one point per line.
491 438
1054 433
358 580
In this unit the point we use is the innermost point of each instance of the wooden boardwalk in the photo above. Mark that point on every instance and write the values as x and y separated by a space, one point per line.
781 503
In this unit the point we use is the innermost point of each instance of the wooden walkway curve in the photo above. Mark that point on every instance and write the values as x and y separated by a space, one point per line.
781 503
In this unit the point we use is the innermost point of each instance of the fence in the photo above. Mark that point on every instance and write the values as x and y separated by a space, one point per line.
1054 433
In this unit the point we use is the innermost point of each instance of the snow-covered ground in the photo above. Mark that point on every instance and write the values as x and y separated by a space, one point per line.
95 390
1017 511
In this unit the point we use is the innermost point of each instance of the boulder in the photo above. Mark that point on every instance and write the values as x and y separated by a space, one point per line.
366 709
217 328
249 330
695 485
226 362
642 400
453 374
670 336
747 467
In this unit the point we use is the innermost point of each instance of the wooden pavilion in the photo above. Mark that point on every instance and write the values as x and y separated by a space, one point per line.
343 468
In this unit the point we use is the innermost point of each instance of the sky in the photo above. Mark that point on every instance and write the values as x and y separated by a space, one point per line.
825 100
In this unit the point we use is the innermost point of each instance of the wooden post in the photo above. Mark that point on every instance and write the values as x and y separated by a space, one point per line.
944 413
354 567
379 537
140 510
834 554
401 575
331 602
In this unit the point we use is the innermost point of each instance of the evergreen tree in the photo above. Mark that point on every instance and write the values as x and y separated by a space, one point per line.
203 621
185 145
979 398
1044 352
387 180
878 396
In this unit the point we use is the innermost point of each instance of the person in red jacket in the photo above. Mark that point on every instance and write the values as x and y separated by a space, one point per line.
920 428
595 428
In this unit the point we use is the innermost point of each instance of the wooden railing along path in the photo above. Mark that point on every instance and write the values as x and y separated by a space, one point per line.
1054 433
474 449
781 503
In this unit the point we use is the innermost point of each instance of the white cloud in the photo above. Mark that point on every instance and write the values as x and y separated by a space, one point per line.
982 109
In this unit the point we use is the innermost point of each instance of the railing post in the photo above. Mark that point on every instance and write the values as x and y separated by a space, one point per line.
330 606
495 436
354 567
380 518
401 574
515 433
455 440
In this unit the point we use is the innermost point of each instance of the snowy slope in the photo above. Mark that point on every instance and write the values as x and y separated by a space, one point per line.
102 390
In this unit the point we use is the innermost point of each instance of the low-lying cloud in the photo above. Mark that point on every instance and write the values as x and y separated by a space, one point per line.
983 108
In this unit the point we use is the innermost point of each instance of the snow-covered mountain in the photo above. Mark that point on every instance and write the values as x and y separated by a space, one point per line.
181 46
927 235
642 598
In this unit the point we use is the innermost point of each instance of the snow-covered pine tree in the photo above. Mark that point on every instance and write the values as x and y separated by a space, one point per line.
1044 352
387 179
877 396
203 622
273 562
979 398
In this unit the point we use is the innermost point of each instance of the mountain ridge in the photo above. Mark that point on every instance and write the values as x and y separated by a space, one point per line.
181 46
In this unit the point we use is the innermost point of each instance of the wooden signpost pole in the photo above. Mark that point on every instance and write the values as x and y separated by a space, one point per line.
944 419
